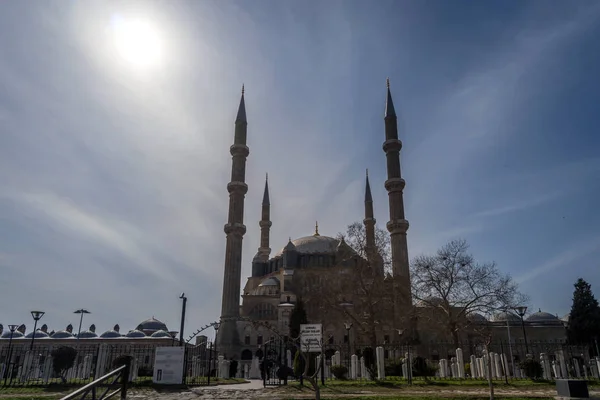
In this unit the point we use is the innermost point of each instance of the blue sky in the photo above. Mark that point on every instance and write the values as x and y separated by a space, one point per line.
113 175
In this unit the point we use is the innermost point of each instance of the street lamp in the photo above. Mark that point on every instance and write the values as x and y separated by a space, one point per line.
409 361
173 336
37 315
12 329
348 326
81 311
182 297
521 310
512 360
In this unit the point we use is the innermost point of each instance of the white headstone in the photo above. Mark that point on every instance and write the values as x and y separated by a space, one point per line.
560 355
254 372
101 361
380 363
461 363
353 366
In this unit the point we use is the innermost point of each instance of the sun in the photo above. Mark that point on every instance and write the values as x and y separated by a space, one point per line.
138 42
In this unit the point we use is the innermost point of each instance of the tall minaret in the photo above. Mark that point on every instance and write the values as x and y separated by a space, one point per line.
235 230
397 225
265 224
370 246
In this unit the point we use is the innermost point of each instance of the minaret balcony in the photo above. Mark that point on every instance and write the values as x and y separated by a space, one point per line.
239 150
392 145
235 228
265 224
397 226
237 187
395 185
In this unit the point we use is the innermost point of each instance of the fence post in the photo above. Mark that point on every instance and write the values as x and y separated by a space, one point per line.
125 379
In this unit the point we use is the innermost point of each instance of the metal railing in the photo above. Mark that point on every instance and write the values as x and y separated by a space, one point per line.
122 372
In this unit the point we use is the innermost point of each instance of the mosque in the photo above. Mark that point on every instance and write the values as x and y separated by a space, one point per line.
270 294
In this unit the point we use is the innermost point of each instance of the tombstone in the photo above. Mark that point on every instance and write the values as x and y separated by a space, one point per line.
484 366
133 372
547 375
337 358
597 367
288 355
363 369
453 369
353 366
102 361
504 363
560 355
585 373
461 363
441 369
577 368
25 371
254 372
499 371
473 366
379 353
556 370
47 374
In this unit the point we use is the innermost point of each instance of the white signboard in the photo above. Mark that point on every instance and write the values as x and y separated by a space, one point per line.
311 337
168 365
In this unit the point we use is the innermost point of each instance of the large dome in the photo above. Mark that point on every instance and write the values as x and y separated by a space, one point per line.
152 325
315 244
542 316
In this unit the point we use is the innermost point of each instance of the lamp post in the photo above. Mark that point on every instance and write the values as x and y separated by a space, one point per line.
521 310
217 325
81 311
512 360
409 361
12 329
182 297
348 326
37 315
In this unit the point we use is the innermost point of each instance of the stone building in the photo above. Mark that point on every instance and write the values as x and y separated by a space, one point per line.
270 293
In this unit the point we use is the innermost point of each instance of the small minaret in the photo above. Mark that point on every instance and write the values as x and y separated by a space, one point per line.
370 246
234 231
397 225
265 224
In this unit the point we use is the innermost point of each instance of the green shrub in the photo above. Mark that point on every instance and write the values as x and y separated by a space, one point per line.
467 369
394 368
339 371
532 368
421 368
63 358
299 364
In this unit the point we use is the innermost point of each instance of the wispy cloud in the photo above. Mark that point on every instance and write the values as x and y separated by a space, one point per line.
517 206
564 259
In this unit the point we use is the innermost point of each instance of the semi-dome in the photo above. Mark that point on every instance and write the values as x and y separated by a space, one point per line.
152 325
62 335
135 334
161 334
87 335
315 244
506 316
110 334
38 335
15 335
268 287
541 316
566 318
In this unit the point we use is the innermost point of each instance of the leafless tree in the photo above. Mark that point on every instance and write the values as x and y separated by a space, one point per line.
356 237
454 285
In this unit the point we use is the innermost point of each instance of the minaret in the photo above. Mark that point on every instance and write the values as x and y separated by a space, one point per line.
265 224
397 225
370 246
234 230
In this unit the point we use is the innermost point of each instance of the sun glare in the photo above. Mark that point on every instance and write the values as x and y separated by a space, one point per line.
138 42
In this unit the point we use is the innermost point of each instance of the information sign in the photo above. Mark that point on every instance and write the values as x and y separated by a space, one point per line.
311 337
168 365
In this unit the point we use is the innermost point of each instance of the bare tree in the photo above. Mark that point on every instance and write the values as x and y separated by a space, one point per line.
356 237
454 285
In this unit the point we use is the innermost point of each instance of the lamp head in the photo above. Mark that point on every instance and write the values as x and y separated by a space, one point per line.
12 328
521 310
37 315
81 311
182 296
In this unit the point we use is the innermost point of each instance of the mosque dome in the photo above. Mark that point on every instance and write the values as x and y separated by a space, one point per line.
315 244
151 325
542 316
476 317
62 335
135 334
38 335
506 316
87 335
15 335
161 334
110 334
